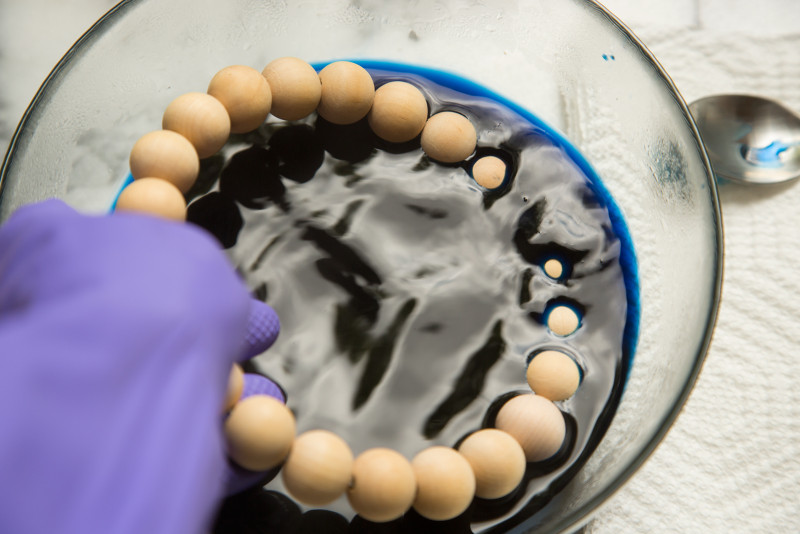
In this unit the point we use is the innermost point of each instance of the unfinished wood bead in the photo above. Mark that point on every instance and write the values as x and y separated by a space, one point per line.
398 113
448 137
536 423
489 172
347 92
167 155
553 375
200 118
497 460
245 94
563 321
153 196
295 87
445 483
235 387
259 432
553 268
319 468
383 487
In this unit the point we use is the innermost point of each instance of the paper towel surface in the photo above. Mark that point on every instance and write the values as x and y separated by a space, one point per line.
731 463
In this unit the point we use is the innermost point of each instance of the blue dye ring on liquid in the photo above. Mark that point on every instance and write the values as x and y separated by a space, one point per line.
627 258
125 183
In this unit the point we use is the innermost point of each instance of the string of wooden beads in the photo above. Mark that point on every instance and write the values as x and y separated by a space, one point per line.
318 466
239 99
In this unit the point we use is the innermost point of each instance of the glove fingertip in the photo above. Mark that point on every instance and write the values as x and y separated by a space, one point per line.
263 327
260 385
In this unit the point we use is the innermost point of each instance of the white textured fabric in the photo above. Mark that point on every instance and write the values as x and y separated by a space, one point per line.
731 463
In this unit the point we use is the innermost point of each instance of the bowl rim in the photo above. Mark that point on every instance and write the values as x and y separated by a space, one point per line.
55 73
583 514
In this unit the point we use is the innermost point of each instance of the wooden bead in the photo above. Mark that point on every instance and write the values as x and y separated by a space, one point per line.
259 432
383 487
319 467
536 423
235 387
245 94
553 375
563 321
200 118
489 172
398 113
553 268
347 92
497 460
167 155
449 137
153 196
445 483
295 87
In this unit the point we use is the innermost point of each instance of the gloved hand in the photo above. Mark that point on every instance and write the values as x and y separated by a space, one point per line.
117 335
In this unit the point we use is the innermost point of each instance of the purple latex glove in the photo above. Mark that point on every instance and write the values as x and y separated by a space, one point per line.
116 339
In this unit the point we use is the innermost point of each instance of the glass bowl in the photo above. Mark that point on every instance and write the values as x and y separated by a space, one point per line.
571 63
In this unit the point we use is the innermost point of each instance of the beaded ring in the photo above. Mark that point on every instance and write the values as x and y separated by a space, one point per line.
318 466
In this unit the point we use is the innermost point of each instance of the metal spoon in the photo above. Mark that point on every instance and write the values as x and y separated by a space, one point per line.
749 139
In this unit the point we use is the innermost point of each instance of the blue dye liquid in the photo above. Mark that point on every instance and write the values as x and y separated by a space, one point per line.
128 179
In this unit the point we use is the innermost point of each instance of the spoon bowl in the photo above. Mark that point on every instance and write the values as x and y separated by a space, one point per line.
749 139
